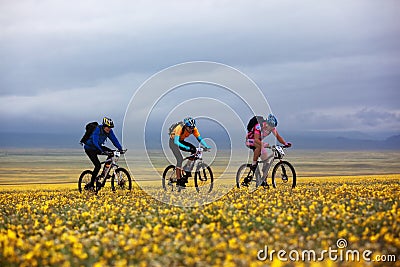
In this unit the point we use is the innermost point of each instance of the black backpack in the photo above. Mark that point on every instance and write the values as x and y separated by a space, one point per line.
90 127
254 121
173 126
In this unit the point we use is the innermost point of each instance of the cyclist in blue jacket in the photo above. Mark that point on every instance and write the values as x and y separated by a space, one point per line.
95 146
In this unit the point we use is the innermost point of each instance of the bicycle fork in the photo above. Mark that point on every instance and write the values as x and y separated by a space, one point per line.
283 174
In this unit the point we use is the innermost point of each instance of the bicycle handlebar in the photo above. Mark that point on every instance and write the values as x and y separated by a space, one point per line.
194 154
111 152
283 146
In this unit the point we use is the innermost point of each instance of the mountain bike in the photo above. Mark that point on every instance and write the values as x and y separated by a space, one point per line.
120 177
283 174
203 175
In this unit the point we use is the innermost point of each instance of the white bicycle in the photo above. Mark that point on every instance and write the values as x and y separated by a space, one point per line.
283 173
203 175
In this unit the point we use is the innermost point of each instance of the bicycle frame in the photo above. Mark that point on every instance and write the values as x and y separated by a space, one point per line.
202 173
277 154
112 161
282 171
120 177
193 158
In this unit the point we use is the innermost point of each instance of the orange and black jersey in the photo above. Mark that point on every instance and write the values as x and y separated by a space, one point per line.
183 133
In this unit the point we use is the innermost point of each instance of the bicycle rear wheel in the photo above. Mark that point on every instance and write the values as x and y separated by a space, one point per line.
246 178
283 175
169 178
84 179
203 178
121 180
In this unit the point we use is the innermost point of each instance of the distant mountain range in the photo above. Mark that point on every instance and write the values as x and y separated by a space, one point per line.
36 140
300 141
345 143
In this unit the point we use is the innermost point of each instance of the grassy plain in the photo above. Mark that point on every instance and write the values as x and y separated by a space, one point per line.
20 166
46 222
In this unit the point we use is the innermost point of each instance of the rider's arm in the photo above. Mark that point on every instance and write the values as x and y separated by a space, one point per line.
114 140
179 144
177 136
95 136
279 137
203 142
199 138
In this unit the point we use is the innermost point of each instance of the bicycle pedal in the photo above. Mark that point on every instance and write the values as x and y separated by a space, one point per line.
98 186
245 184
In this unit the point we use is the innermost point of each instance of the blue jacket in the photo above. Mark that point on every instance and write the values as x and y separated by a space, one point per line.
98 138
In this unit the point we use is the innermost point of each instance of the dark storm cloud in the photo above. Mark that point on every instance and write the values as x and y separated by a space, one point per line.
329 60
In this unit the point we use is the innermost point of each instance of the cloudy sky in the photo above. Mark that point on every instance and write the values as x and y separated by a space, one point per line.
322 65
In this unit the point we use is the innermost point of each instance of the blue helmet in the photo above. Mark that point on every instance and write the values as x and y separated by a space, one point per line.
271 120
189 122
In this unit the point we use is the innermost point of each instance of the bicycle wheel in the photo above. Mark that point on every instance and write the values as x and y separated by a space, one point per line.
203 178
84 179
169 178
283 175
245 173
121 180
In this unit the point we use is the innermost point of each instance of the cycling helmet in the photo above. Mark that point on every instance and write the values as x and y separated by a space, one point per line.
189 122
108 122
271 120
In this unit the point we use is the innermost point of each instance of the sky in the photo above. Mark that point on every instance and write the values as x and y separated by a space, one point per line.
323 66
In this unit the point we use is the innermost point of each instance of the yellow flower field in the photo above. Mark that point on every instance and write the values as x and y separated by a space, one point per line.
54 225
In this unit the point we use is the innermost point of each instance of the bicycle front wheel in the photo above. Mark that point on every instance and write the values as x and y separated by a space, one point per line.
84 179
121 180
169 178
203 178
283 175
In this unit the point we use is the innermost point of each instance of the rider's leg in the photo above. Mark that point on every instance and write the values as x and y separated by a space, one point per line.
250 143
107 149
253 167
178 156
256 147
92 154
256 155
192 148
265 169
266 160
